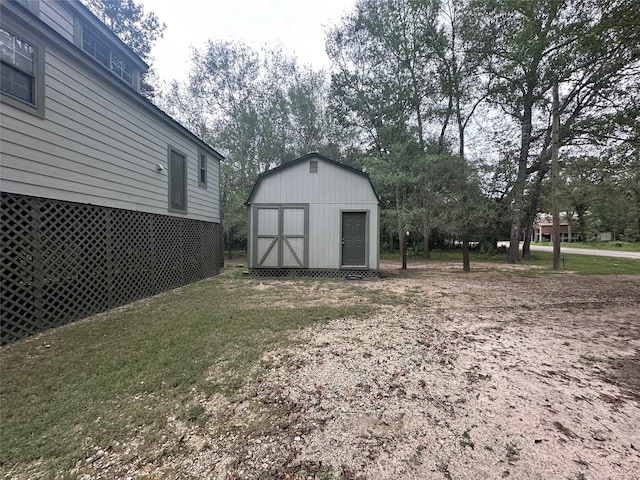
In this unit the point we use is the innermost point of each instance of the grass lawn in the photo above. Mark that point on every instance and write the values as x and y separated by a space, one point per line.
618 246
122 373
581 264
104 379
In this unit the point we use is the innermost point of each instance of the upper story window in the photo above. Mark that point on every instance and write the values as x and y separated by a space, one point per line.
110 59
121 68
95 47
22 72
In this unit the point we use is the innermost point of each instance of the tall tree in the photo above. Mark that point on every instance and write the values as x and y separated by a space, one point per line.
261 107
585 46
383 88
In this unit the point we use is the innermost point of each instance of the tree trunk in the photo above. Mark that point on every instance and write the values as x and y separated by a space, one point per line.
533 210
229 246
403 248
555 180
401 237
466 264
426 235
445 124
581 210
518 188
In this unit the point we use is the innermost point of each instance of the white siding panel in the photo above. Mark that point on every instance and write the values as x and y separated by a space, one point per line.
293 221
268 221
54 14
267 252
325 241
293 252
95 147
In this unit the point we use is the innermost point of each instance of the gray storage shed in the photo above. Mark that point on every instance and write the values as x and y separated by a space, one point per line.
313 216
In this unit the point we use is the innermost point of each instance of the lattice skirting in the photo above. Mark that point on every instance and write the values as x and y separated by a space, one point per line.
62 261
314 273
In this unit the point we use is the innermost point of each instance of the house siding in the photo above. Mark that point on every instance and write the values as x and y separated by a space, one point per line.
53 13
328 193
86 224
93 147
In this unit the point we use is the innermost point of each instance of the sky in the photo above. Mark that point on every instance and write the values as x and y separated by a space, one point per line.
296 25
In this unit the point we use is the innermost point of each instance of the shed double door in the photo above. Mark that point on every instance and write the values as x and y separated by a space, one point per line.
281 238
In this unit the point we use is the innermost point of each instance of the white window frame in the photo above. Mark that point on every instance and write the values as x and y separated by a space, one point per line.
36 106
114 61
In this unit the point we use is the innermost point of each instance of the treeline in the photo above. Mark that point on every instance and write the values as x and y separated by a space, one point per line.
447 105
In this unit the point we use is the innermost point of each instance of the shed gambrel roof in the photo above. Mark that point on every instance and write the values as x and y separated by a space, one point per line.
304 158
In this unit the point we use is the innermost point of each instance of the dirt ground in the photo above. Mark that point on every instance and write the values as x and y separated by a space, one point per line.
459 376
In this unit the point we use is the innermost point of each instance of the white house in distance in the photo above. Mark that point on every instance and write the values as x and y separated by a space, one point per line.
105 198
313 216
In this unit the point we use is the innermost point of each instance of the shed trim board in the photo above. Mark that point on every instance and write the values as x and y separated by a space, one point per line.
280 241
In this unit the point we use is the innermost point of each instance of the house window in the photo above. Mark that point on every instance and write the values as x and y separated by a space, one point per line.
177 182
121 69
22 82
95 47
313 166
202 169
110 59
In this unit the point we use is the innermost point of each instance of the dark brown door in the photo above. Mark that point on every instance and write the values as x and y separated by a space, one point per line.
354 238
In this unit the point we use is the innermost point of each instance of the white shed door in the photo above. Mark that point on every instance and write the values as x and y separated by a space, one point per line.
281 236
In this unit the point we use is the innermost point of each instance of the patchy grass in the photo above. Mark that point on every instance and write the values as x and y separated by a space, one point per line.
585 264
103 379
618 246
512 452
542 261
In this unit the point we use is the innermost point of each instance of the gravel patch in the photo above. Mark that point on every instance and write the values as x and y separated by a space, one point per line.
484 375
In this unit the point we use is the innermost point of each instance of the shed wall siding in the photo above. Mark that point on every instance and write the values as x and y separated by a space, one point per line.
328 192
325 233
95 147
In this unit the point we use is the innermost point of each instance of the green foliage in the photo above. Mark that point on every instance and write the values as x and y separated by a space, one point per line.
261 108
585 46
407 79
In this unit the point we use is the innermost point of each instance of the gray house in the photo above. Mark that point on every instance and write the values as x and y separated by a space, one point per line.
313 216
105 198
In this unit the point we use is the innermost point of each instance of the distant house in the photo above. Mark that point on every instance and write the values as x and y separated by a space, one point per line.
313 216
105 199
543 229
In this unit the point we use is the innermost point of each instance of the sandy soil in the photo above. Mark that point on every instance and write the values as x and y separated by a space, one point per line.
475 376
